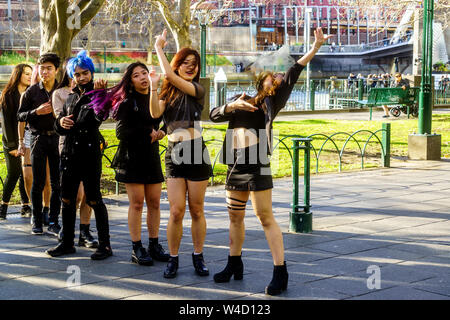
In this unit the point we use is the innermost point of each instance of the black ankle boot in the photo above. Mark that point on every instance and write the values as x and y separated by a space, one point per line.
199 265
25 211
141 257
172 268
3 210
45 218
156 251
234 267
279 280
86 239
103 251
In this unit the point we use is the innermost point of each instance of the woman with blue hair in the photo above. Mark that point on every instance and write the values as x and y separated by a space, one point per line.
81 158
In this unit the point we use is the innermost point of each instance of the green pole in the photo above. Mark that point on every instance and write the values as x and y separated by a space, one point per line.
360 89
203 50
425 95
300 218
104 59
386 144
312 95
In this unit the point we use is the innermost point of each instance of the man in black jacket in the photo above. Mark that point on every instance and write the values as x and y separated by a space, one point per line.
81 158
36 109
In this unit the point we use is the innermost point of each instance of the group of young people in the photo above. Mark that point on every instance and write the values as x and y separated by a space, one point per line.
69 137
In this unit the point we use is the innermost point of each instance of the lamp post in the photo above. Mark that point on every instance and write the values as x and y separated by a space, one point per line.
425 145
203 16
425 95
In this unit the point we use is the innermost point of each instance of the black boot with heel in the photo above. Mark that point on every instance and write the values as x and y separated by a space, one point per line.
234 267
279 280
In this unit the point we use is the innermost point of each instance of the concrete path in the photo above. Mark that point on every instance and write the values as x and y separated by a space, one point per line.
378 234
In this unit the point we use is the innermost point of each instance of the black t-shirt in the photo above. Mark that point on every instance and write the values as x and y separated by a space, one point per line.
185 110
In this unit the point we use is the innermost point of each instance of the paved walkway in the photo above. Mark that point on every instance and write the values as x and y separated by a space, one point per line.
390 225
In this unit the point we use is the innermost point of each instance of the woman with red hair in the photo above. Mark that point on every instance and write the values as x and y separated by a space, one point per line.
188 166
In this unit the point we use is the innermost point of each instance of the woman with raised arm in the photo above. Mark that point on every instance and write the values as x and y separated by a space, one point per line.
188 166
247 146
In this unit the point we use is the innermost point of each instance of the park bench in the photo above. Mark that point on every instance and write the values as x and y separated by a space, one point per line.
392 96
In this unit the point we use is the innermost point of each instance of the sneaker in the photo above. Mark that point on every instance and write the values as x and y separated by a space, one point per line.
386 116
102 252
25 212
60 250
54 229
157 252
37 229
45 220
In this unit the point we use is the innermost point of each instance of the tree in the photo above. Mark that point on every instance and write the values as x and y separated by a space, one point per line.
27 26
62 20
179 16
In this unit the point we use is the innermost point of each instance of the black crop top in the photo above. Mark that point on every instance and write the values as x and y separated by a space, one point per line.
249 119
185 110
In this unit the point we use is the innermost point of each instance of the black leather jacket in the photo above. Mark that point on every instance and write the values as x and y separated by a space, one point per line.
84 138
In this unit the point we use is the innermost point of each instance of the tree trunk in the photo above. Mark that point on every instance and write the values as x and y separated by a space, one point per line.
59 28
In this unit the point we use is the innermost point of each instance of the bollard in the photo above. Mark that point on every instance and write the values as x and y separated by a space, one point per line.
300 218
386 144
220 88
312 95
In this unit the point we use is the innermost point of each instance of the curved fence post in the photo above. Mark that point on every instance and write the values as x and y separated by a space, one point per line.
300 218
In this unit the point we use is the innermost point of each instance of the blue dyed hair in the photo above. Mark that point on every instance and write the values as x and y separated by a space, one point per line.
82 61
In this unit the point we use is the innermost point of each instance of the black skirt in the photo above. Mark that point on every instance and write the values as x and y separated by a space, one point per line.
189 160
138 164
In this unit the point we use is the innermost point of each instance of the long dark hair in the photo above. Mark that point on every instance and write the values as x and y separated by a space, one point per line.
14 81
65 82
106 102
168 91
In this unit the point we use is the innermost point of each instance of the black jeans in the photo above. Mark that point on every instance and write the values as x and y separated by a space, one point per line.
45 147
14 169
87 169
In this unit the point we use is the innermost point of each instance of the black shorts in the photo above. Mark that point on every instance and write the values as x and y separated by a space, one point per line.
188 159
249 177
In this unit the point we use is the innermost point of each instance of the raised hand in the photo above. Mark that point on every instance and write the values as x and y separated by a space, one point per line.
161 40
154 77
319 37
100 84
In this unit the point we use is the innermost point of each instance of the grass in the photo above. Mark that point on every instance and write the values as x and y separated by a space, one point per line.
14 58
281 162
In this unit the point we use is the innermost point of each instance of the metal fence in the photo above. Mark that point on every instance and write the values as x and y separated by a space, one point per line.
324 94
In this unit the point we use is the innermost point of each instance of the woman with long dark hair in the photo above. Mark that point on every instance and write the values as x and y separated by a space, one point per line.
9 103
247 145
137 162
188 167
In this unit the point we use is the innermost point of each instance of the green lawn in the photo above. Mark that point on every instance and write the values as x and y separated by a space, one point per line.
281 162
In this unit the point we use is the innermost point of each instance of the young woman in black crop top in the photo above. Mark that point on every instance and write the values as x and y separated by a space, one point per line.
188 167
247 144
